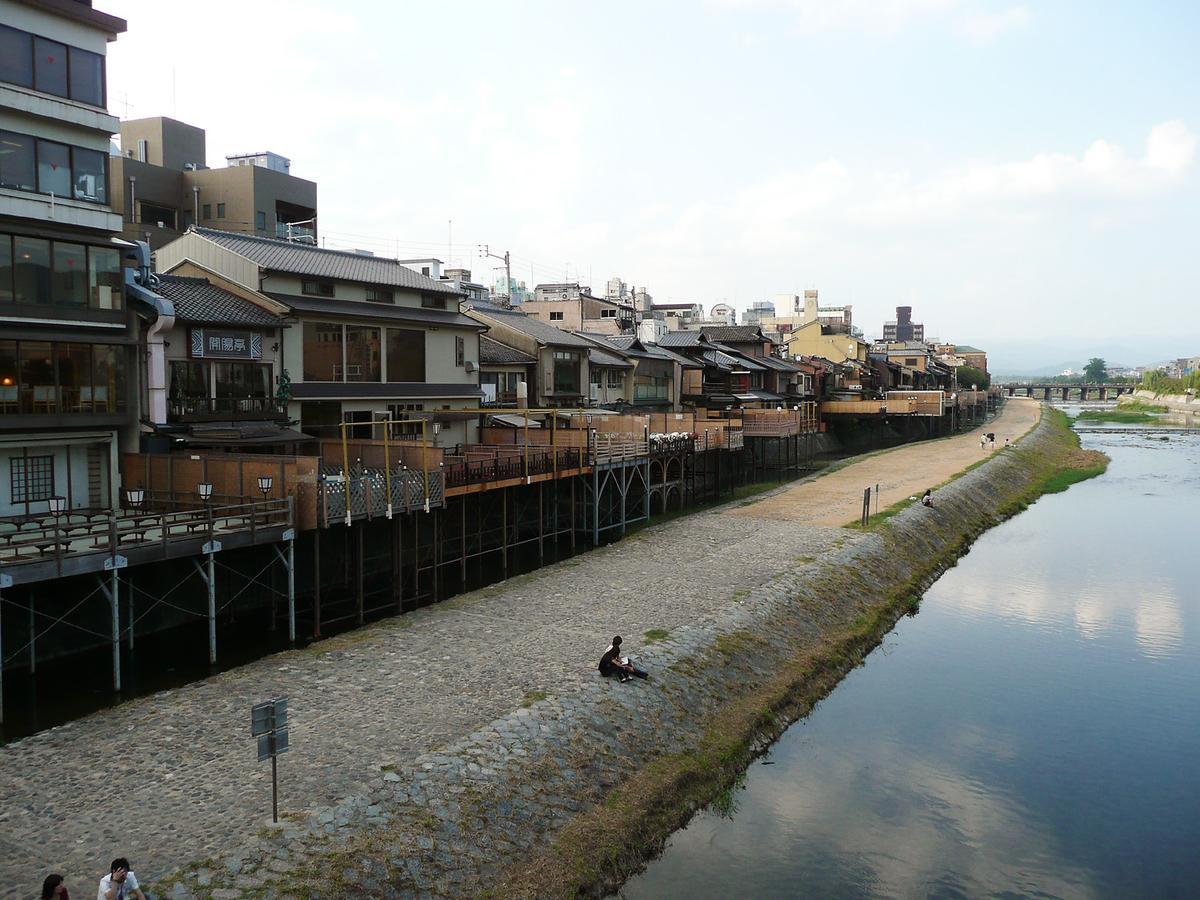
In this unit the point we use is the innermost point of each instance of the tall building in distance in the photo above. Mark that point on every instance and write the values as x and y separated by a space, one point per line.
758 311
161 186
903 328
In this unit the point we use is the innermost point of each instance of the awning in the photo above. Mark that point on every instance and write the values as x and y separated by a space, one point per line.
513 421
242 435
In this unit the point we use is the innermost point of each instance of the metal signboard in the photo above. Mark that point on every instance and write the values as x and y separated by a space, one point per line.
223 343
268 723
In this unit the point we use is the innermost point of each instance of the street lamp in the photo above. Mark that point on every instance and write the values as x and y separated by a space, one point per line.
57 505
205 490
264 484
136 498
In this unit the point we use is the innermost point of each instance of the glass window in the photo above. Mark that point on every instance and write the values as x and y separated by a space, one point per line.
241 381
108 378
89 175
87 77
380 295
616 378
405 355
70 274
36 378
460 350
206 211
322 351
104 278
54 168
50 66
321 418
189 379
75 376
566 372
31 478
6 269
17 167
8 376
157 215
433 302
220 210
317 288
32 271
260 220
362 353
16 57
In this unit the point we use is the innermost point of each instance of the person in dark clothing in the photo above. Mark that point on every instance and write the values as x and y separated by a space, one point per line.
611 663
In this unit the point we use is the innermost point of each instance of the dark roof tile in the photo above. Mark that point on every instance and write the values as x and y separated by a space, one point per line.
198 300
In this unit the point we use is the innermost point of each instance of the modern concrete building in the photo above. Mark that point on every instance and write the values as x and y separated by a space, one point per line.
67 337
371 339
826 341
759 311
161 185
903 328
678 316
794 310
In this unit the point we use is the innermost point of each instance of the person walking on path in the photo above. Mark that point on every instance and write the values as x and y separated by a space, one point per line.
120 883
54 888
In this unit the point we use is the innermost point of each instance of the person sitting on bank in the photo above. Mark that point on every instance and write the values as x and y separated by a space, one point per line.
120 883
927 500
611 663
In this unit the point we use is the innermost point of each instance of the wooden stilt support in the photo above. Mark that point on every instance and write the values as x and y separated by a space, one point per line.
32 639
360 564
504 530
541 527
5 582
462 555
212 609
316 583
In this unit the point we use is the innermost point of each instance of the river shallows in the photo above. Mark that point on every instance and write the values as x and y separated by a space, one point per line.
1033 731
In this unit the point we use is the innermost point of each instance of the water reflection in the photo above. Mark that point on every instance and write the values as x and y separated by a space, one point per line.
1032 732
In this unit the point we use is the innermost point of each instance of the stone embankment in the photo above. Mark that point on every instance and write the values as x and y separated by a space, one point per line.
1179 404
440 754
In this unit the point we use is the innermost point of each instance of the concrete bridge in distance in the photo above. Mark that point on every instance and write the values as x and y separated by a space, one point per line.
1068 391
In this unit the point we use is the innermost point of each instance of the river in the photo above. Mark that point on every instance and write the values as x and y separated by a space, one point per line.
1033 731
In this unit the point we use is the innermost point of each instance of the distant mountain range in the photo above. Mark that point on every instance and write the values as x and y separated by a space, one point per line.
1036 357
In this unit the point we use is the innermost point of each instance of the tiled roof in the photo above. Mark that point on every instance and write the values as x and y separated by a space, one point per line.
598 357
739 334
966 348
492 351
198 300
340 265
682 338
360 309
536 329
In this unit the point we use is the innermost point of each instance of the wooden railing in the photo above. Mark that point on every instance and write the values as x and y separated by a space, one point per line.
161 524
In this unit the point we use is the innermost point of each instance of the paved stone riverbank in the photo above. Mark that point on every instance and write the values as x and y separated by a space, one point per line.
434 750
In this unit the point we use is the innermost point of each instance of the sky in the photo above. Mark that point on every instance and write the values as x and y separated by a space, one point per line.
1024 175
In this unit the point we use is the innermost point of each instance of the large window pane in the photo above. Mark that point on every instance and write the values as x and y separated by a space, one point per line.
74 376
362 353
17 168
54 168
89 180
189 380
321 418
8 377
240 381
70 274
322 351
566 372
108 378
6 269
32 281
16 57
37 378
87 77
104 278
50 66
405 355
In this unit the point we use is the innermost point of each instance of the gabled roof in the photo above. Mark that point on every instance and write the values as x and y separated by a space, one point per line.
544 334
735 334
198 300
683 338
966 348
492 351
340 265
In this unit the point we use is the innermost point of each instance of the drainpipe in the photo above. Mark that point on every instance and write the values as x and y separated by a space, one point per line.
140 283
132 200
196 206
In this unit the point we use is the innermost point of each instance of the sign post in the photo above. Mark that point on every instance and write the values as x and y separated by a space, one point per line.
268 723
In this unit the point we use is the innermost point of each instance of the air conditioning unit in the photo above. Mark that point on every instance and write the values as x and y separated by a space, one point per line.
469 366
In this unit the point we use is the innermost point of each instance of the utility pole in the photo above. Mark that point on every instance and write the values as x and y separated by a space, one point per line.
485 252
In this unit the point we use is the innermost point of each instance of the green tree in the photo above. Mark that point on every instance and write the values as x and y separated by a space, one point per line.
1095 371
969 376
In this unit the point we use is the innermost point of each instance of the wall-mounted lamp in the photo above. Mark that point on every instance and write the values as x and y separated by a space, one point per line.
275 347
205 490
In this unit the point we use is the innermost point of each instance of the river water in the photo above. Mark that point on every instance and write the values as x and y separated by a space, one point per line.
1033 731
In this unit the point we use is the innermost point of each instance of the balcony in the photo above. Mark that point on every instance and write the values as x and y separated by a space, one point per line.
303 232
225 409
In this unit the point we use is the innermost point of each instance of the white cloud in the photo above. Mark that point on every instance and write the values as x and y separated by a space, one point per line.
981 26
890 16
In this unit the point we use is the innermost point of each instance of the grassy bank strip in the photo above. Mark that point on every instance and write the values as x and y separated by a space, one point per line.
596 851
1125 417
